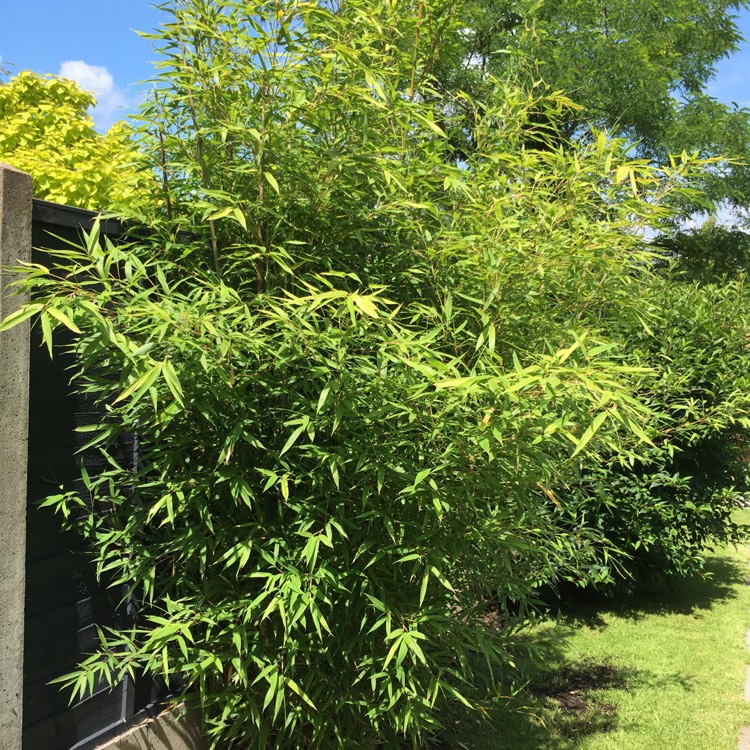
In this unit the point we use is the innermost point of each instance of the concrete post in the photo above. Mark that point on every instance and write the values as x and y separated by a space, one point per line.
15 245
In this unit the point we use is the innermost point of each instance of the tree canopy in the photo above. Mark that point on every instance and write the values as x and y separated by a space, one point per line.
639 70
45 130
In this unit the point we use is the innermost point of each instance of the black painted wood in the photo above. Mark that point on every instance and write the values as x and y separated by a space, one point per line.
64 601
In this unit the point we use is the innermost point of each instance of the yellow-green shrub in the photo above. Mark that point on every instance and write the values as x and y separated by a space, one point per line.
45 130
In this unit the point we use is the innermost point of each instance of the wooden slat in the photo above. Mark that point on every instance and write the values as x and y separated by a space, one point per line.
64 601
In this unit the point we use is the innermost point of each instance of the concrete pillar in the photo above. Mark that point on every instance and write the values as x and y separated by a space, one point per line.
15 245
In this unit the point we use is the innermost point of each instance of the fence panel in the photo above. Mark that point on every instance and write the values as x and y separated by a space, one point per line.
64 602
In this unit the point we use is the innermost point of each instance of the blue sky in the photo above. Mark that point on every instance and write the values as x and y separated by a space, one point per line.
94 42
732 80
97 40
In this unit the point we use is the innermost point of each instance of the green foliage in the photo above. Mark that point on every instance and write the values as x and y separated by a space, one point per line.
364 377
639 70
678 498
635 59
632 672
45 130
711 127
322 511
625 64
711 254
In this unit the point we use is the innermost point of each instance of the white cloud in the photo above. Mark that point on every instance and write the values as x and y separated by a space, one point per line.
112 102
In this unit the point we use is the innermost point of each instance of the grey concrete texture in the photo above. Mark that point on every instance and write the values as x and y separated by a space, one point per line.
174 729
15 246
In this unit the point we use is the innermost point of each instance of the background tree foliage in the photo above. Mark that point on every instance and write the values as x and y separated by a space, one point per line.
45 130
380 392
639 70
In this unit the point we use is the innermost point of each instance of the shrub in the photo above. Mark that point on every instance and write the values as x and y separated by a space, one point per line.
666 505
360 379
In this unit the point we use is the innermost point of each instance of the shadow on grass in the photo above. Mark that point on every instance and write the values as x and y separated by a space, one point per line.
566 702
683 596
557 711
559 708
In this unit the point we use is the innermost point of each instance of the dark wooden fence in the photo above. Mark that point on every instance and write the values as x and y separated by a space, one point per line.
64 602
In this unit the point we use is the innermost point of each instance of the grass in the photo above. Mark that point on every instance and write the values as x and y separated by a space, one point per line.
661 671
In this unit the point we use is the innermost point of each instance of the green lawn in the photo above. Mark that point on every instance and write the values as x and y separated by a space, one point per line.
662 671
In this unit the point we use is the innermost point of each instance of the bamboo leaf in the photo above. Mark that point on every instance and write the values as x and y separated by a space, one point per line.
592 429
23 313
292 439
271 180
365 305
63 318
172 381
140 386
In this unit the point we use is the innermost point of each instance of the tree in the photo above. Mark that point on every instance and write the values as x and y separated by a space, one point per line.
638 69
709 254
45 130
